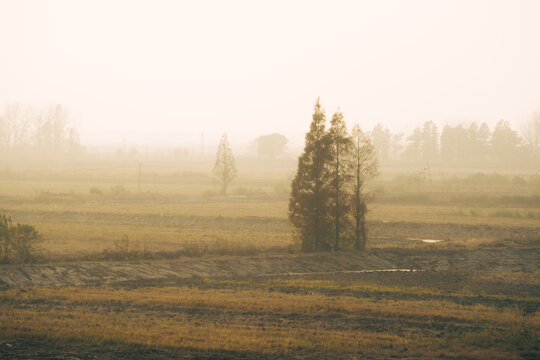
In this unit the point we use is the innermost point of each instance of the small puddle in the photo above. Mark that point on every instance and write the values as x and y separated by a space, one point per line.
341 272
429 241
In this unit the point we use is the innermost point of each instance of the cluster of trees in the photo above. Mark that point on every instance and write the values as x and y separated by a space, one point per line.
17 242
269 146
472 145
41 131
328 202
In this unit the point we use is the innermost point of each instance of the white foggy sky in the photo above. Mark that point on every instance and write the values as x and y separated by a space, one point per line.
162 72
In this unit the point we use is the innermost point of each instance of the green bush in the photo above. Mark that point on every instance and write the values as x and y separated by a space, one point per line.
17 242
95 191
5 238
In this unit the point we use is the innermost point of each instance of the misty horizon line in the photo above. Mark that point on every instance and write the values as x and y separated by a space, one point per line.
149 137
168 138
55 123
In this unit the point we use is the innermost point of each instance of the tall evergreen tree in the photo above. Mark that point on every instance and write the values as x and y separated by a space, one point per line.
473 143
364 169
505 142
340 175
328 189
308 204
224 169
484 136
413 151
454 144
382 141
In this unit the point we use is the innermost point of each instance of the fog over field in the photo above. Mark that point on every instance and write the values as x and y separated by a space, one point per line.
270 180
162 74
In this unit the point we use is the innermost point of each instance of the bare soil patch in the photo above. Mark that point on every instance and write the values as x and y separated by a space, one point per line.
503 280
493 260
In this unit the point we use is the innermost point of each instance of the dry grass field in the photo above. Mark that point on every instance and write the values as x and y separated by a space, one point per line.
316 317
84 213
482 313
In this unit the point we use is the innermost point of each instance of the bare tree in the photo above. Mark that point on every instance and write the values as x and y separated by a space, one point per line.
365 168
45 131
224 169
17 119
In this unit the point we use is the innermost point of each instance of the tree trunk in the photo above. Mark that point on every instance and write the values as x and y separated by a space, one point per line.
336 245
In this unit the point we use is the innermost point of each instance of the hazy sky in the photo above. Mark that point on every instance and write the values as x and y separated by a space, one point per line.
165 71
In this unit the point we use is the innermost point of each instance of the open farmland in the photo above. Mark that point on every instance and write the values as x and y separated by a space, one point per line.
84 213
197 263
481 309
269 180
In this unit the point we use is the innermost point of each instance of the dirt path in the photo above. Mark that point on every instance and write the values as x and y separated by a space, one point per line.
508 259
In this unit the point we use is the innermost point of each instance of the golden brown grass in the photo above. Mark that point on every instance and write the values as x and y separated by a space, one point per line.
272 316
255 320
75 223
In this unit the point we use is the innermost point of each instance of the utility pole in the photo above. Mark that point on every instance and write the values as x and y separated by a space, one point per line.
139 177
202 143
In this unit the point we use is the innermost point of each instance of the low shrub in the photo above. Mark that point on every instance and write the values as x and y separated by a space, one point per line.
18 243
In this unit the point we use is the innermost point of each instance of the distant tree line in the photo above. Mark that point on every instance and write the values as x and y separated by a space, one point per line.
460 145
328 202
37 131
